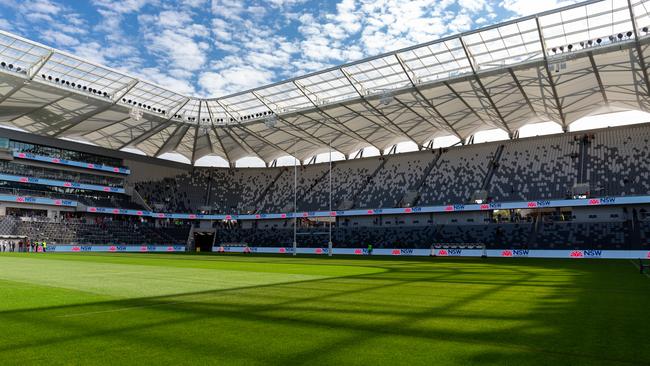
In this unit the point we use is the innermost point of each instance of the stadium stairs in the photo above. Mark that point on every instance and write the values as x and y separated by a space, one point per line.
494 165
418 185
268 187
370 180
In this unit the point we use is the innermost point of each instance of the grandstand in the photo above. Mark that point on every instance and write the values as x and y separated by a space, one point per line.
517 251
572 191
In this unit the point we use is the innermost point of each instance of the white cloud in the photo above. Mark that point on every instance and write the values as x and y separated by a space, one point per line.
180 51
59 38
176 84
234 79
5 25
527 7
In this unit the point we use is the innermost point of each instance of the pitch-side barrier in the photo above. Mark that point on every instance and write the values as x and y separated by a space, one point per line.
447 252
439 252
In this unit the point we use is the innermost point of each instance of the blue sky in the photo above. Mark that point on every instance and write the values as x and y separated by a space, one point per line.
213 48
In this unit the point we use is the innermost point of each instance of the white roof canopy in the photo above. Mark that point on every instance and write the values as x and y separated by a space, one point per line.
555 66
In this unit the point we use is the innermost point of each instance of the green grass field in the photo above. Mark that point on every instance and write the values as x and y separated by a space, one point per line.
135 309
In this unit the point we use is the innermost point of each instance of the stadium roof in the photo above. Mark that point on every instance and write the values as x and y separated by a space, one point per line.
556 66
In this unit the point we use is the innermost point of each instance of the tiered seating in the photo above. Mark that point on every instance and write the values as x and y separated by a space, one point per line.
535 168
102 232
7 225
396 176
279 197
457 175
64 154
347 179
546 167
644 230
571 235
509 235
61 175
182 193
550 235
619 162
89 198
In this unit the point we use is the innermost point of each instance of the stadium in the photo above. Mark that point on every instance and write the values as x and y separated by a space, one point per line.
517 251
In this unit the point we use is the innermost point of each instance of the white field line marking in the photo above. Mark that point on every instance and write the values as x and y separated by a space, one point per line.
638 268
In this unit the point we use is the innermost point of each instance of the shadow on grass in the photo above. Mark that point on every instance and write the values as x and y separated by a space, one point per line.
446 311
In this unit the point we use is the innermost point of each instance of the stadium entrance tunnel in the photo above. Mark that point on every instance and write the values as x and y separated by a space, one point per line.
204 240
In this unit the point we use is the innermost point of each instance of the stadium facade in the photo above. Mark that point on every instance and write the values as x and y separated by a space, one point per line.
578 192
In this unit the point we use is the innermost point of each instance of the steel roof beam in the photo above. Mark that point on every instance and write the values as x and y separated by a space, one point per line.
419 92
196 134
108 125
171 144
263 139
80 119
39 65
459 97
239 140
145 135
342 132
321 111
639 50
597 75
522 91
351 80
155 130
36 68
261 99
414 112
223 148
550 76
229 113
39 108
487 95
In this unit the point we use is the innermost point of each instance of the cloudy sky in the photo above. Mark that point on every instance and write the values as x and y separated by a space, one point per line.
213 48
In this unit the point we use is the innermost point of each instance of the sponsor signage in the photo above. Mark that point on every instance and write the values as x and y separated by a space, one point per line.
58 183
38 200
447 252
78 164
115 248
266 216
426 209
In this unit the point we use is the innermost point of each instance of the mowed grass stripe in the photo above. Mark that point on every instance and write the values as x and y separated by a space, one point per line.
364 311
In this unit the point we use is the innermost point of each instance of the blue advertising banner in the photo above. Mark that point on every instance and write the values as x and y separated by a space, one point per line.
440 252
603 201
58 183
115 248
37 200
78 164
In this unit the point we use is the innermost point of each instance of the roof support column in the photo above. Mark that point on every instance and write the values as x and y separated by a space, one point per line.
470 58
558 105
